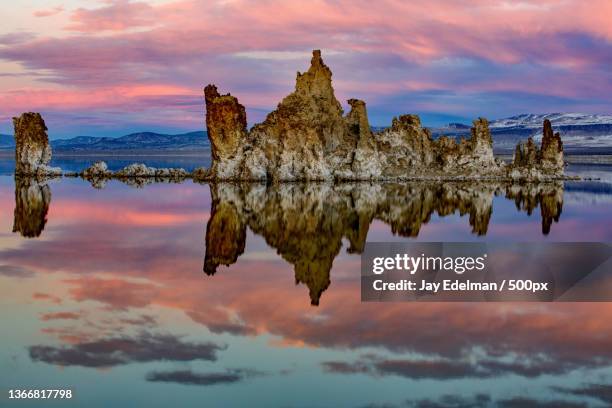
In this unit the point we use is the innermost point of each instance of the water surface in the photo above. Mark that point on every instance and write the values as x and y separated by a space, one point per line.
227 295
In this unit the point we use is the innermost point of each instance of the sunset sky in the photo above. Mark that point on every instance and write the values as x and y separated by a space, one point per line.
112 67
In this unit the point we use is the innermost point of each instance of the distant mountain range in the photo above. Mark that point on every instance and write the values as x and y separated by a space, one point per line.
132 142
581 133
532 121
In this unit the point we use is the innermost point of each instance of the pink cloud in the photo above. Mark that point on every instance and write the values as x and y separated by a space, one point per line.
117 293
60 316
117 15
47 297
421 32
555 50
49 12
100 97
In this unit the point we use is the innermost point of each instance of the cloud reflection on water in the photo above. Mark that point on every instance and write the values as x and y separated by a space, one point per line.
126 269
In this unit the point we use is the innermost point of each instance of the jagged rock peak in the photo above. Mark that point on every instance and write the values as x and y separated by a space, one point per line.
307 137
480 131
317 80
313 96
548 137
526 154
552 146
532 161
357 118
406 122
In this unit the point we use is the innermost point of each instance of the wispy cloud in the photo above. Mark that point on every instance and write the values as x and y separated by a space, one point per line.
48 12
117 15
556 52
188 377
113 351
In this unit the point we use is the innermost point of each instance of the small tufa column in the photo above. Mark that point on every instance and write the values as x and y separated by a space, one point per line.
226 123
545 161
552 147
32 149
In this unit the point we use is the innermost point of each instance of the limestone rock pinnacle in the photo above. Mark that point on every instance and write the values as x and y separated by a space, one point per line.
533 162
226 125
32 149
552 147
307 137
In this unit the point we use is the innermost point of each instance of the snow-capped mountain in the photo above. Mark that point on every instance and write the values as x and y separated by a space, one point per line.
581 133
534 121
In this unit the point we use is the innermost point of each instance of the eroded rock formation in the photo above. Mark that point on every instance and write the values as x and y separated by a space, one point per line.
227 130
33 154
135 174
308 137
136 170
32 149
307 222
551 153
530 161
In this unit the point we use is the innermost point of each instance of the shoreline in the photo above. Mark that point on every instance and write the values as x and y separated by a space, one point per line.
196 179
568 157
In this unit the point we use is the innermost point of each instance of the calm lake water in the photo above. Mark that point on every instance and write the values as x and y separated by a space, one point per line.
228 295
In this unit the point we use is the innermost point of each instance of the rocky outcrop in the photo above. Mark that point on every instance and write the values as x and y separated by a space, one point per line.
226 127
532 162
201 174
135 174
307 222
308 138
551 153
362 166
98 169
33 154
136 170
32 149
97 174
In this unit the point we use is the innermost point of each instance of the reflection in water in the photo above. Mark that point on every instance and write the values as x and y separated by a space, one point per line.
306 223
32 200
549 198
114 296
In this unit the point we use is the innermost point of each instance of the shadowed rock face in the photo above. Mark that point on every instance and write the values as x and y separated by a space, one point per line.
306 223
32 149
226 127
531 161
32 200
308 138
552 147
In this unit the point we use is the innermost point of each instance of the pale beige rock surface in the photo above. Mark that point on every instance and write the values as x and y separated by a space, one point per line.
32 149
308 137
533 162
